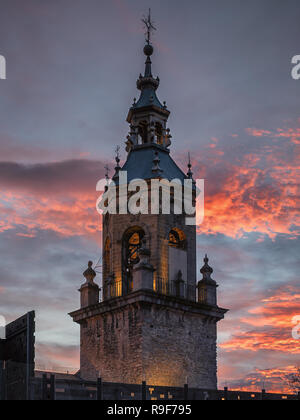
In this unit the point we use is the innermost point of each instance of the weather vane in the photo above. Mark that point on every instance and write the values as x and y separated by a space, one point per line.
149 25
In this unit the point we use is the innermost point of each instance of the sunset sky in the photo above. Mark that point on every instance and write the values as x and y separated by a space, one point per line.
225 71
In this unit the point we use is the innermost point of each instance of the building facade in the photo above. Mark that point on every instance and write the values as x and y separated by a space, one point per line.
154 322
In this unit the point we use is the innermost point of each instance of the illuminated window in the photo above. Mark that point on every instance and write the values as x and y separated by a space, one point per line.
177 238
177 262
132 242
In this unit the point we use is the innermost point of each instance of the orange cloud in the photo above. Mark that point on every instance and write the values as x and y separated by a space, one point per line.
236 203
257 191
272 318
59 197
273 380
263 340
277 310
67 216
243 204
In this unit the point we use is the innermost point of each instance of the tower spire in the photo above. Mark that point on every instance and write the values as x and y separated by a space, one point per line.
148 116
148 49
190 173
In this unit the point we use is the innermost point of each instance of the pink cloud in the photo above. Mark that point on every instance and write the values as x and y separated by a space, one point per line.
258 132
289 133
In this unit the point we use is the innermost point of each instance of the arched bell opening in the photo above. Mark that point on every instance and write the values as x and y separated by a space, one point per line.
159 133
178 262
131 244
143 132
177 239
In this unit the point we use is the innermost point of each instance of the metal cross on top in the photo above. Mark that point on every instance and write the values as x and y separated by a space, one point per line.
149 27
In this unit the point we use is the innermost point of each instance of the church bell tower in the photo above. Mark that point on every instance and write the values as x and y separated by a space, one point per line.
154 322
169 245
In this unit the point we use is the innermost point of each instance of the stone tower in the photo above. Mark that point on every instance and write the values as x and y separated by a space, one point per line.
154 322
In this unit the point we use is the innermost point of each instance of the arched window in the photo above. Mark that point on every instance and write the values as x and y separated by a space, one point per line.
143 132
159 133
132 242
177 239
177 262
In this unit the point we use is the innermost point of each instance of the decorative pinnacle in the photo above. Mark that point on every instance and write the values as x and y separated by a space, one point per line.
206 270
149 27
89 274
190 173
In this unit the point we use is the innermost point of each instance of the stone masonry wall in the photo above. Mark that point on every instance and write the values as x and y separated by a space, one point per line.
111 345
179 347
147 341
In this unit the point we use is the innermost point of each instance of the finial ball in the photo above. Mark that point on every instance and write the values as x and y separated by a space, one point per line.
90 264
148 50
